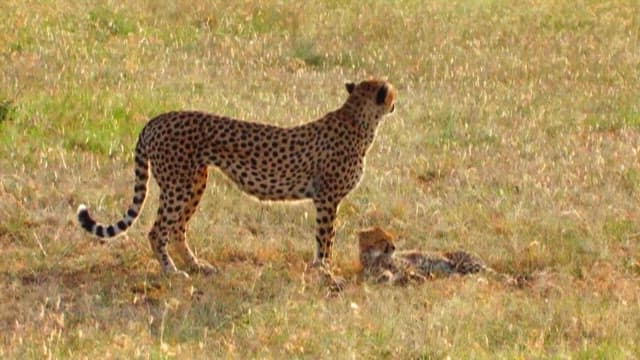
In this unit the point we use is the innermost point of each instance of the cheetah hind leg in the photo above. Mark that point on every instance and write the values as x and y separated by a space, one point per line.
159 247
193 264
179 237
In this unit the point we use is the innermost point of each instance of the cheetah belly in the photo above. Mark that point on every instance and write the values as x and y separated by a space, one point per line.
272 185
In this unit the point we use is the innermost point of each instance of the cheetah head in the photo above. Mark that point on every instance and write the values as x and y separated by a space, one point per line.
375 243
373 98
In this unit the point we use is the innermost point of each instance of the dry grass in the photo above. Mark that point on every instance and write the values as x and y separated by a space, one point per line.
516 136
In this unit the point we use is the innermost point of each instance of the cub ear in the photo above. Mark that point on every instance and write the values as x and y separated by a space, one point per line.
350 86
382 95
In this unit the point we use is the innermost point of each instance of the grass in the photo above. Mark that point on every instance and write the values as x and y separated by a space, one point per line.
516 137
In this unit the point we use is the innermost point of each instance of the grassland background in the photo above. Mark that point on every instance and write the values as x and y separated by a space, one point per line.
516 137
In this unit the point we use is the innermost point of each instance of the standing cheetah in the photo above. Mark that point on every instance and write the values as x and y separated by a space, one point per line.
321 160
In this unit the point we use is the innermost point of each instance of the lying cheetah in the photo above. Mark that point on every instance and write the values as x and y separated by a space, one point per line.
321 160
381 262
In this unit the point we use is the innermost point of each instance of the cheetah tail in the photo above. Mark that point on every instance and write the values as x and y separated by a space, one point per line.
140 193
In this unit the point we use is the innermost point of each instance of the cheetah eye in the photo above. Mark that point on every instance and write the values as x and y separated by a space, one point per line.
389 248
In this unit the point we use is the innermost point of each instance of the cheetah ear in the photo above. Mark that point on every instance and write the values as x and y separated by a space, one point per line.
382 95
350 87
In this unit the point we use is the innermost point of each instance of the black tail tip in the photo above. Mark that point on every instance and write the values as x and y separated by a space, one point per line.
85 219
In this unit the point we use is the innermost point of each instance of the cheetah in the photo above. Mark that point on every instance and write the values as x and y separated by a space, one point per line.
381 262
322 161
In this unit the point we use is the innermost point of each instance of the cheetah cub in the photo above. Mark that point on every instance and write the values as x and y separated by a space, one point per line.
381 262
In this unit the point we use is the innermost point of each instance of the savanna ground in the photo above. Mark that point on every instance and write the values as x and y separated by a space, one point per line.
516 136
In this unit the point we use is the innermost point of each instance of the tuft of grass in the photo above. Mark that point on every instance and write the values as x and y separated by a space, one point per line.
6 110
108 22
304 51
631 180
623 119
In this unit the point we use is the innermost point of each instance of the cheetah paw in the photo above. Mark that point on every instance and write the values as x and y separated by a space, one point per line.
203 267
177 274
320 264
336 283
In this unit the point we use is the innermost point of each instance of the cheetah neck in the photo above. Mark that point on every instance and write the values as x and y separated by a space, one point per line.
363 125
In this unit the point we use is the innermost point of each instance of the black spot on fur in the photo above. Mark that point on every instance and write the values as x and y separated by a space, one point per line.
85 220
140 162
132 213
122 225
142 175
111 231
100 231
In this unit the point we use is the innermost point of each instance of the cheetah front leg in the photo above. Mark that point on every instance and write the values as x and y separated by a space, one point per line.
325 233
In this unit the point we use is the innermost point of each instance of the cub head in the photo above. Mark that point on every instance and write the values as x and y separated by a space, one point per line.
378 95
374 244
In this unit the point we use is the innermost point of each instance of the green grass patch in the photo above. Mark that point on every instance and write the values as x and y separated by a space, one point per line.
107 22
6 111
304 51
623 119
